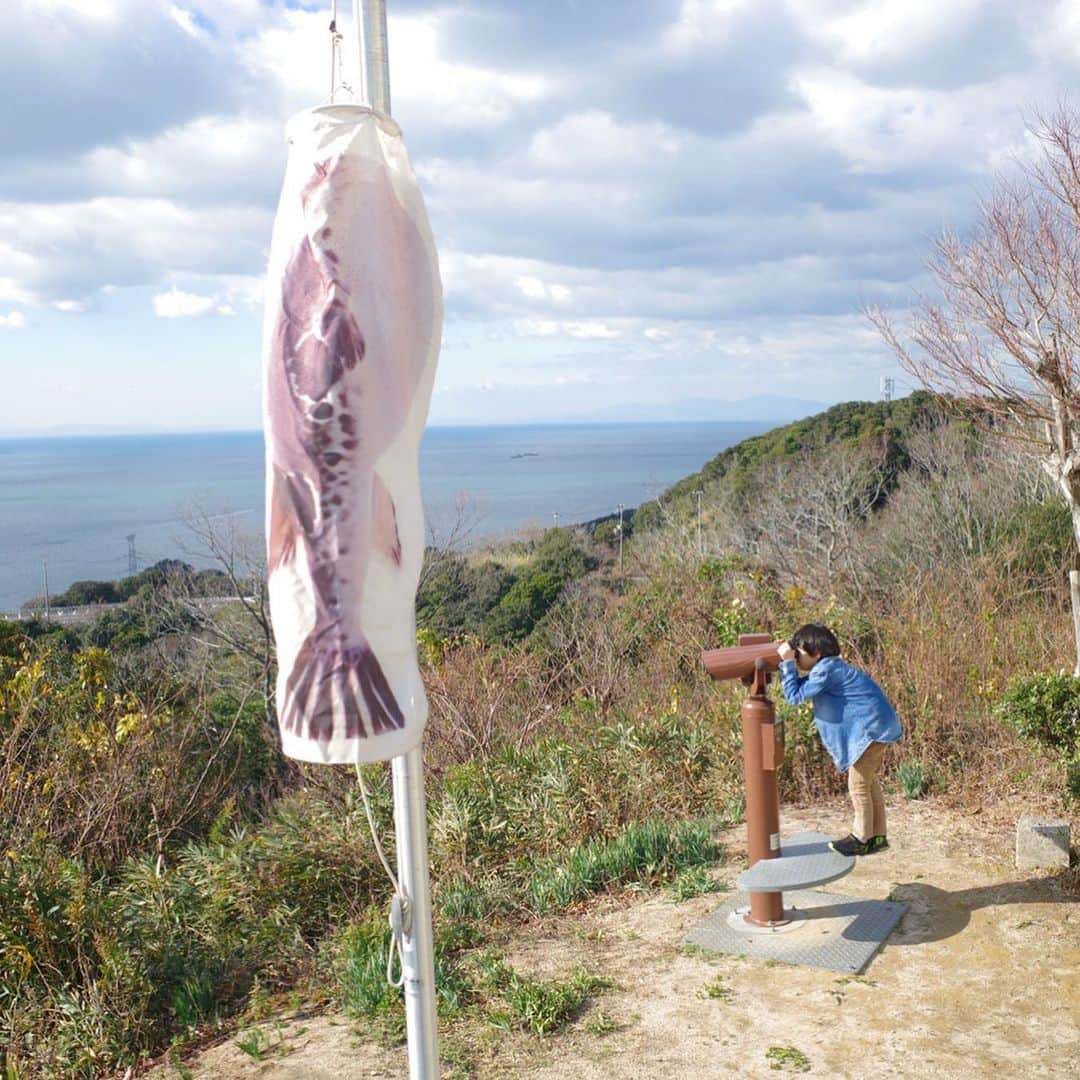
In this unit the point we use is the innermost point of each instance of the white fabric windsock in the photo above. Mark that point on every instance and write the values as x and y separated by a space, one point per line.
352 333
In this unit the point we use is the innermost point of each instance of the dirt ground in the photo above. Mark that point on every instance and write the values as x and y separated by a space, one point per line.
980 979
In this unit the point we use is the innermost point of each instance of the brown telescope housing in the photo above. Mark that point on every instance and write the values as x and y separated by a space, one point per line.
740 661
752 661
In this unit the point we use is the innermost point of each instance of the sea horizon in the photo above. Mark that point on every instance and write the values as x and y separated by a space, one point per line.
449 425
69 502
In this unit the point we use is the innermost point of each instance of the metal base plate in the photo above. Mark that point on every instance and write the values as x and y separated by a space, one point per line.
839 933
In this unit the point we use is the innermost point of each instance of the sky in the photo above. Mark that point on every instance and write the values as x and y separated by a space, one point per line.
645 209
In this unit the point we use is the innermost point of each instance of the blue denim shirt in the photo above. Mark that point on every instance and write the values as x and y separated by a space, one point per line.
850 710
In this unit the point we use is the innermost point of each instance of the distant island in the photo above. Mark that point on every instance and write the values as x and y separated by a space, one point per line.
527 453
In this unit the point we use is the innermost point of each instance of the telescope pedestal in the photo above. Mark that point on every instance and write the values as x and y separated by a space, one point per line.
838 932
799 863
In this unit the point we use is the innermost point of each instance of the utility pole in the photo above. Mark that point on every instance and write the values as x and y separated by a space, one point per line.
700 547
887 387
45 573
133 566
555 518
621 508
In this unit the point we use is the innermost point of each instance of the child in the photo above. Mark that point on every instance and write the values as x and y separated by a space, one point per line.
855 722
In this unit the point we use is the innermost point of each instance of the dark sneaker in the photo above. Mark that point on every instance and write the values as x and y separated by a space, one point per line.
876 844
850 845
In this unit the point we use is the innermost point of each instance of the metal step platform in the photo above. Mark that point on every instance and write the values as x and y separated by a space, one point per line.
805 860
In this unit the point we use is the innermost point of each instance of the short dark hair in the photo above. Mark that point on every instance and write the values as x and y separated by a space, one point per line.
817 639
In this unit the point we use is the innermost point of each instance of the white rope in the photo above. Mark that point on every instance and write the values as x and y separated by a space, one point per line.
335 37
337 79
399 914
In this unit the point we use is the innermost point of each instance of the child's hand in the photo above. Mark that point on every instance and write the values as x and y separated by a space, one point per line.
785 650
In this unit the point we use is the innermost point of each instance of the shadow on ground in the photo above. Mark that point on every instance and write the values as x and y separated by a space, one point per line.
935 914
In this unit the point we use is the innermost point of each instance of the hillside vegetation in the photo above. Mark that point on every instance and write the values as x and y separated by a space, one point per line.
164 870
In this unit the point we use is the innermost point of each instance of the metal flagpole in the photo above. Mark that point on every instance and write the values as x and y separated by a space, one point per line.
417 939
370 23
410 814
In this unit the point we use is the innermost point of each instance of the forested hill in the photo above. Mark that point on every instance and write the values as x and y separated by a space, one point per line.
884 425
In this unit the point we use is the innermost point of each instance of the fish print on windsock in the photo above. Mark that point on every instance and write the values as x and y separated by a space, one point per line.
353 326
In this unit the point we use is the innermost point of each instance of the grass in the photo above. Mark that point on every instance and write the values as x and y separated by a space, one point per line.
716 990
787 1057
912 779
641 853
646 853
694 881
538 1006
257 1042
600 1023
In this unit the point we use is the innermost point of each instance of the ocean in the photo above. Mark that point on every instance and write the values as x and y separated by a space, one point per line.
68 505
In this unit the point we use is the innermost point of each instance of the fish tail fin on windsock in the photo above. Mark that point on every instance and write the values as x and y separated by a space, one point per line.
333 686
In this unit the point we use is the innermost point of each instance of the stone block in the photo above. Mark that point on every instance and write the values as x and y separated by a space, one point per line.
1042 842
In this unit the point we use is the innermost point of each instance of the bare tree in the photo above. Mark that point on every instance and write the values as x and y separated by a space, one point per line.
447 540
808 511
1005 333
951 511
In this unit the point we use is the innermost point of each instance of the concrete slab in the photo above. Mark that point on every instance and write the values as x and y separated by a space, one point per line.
1042 842
838 933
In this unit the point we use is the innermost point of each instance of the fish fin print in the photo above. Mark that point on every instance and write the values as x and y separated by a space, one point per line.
342 335
286 506
330 686
384 516
320 174
300 500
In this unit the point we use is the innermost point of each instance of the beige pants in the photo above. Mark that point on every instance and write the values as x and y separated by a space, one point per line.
866 793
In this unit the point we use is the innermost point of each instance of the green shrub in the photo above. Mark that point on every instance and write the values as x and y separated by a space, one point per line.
455 596
1036 539
539 1006
358 957
647 852
1044 709
912 779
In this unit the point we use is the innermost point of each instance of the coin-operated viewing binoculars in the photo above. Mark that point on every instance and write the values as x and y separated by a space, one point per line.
753 661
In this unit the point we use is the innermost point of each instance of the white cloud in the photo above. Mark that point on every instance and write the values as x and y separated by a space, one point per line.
468 95
209 159
591 330
700 24
537 327
88 9
604 197
885 30
294 50
534 289
596 142
582 330
69 251
175 304
531 287
885 130
15 321
185 20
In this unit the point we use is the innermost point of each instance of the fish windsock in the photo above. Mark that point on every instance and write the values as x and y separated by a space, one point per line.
351 340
